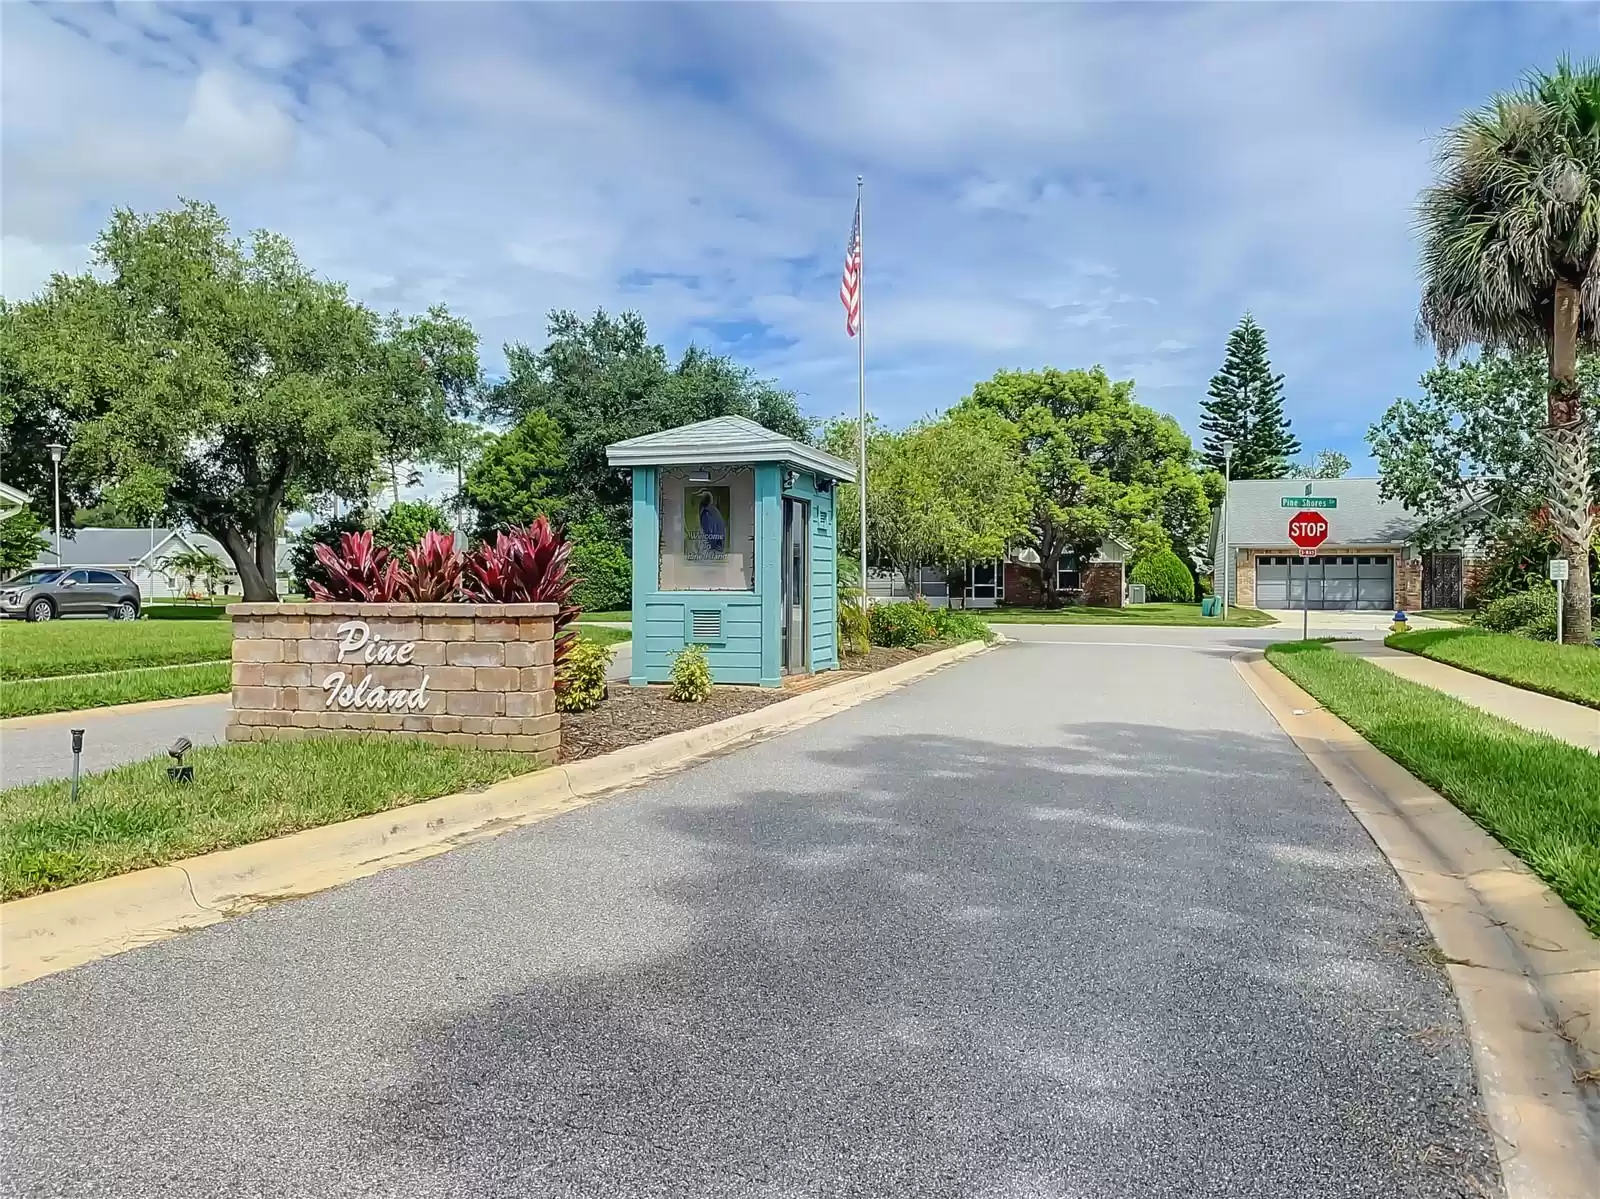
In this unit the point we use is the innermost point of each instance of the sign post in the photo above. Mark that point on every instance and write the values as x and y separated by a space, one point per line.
1308 530
1558 575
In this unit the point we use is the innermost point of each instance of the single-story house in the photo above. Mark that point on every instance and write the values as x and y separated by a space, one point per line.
1373 559
1018 579
142 554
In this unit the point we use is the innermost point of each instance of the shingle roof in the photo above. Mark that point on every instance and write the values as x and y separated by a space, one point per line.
120 549
724 440
1258 520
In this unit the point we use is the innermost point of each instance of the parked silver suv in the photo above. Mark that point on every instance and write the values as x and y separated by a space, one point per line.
46 594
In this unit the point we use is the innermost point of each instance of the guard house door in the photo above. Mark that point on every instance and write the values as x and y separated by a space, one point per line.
796 586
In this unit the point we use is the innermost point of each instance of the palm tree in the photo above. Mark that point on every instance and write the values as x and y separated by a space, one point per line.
194 564
1511 260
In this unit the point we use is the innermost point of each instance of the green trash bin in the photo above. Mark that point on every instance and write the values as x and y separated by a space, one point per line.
1211 605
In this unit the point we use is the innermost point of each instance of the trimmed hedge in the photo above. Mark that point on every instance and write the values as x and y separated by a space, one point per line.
1166 579
902 625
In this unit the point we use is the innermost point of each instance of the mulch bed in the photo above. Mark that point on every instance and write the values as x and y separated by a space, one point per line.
634 714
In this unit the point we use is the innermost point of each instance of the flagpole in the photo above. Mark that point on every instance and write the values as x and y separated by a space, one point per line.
861 385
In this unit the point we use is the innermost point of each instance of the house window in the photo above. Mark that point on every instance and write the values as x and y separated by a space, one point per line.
1068 576
986 581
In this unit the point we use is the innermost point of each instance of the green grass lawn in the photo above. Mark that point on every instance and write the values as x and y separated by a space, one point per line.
60 647
1570 672
1539 797
619 617
1152 614
133 817
1453 615
185 611
68 693
603 636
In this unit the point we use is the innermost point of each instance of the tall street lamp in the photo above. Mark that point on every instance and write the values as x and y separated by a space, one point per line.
55 448
1227 556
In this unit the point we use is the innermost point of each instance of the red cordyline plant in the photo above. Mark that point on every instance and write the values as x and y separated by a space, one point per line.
359 572
526 566
432 572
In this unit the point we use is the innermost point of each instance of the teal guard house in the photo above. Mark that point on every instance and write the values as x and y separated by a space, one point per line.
733 549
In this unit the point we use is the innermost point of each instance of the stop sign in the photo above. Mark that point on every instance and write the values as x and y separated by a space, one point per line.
1308 529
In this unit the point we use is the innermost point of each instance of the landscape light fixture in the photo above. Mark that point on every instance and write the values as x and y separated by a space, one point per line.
77 760
180 773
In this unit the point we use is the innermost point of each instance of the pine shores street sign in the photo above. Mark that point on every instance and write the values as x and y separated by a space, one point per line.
1308 530
1309 501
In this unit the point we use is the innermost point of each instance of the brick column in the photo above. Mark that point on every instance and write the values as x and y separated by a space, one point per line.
476 676
1245 580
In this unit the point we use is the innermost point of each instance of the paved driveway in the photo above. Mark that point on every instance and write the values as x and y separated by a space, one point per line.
1064 920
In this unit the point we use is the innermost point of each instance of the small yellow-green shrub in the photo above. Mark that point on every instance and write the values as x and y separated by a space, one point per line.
691 675
582 682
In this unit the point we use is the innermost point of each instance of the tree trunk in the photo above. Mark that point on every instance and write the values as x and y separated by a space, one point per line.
1567 456
257 590
1049 568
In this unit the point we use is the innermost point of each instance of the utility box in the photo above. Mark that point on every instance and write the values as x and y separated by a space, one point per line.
734 548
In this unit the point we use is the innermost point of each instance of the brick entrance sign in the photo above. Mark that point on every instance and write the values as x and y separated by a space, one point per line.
479 676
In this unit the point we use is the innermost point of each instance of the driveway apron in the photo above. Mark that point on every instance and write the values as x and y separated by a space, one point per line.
1071 919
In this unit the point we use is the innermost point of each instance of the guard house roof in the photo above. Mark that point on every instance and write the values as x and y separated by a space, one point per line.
725 441
1259 520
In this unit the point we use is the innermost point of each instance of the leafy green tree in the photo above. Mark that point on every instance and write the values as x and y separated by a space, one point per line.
1098 464
1511 260
1467 454
217 384
1328 464
603 380
464 443
192 564
519 476
104 516
940 494
402 525
22 540
1245 406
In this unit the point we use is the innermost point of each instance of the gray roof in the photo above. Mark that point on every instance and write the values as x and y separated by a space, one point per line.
123 549
1257 518
723 441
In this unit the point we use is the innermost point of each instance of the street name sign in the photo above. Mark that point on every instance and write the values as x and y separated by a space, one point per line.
1309 501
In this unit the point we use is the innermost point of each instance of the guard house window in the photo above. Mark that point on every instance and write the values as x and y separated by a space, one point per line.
708 528
985 580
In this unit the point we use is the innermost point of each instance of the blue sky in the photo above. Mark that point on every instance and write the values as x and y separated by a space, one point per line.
1047 185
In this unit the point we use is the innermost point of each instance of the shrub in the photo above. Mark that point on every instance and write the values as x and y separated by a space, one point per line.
600 562
581 683
432 571
526 566
1166 579
406 523
961 626
360 571
22 540
1530 613
691 675
901 625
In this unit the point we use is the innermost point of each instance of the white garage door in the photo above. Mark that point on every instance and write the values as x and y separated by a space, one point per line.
1335 582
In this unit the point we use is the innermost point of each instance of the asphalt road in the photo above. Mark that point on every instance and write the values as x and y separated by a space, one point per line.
1064 920
38 748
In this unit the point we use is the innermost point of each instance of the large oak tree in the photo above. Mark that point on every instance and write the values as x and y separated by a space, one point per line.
219 383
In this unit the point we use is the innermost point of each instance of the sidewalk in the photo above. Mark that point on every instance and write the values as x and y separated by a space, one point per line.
1557 718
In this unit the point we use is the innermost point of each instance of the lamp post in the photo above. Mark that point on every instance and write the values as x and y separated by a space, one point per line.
55 448
1227 558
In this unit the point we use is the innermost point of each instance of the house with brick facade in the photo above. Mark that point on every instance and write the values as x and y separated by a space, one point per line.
1376 556
1018 580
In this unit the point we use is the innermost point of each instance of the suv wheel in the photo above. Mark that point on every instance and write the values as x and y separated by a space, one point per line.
126 610
41 609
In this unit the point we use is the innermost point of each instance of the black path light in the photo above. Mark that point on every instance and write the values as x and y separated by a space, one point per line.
77 758
180 773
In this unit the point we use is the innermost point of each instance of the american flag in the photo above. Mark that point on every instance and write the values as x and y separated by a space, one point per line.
850 285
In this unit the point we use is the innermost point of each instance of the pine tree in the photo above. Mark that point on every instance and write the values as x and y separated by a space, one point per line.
1246 407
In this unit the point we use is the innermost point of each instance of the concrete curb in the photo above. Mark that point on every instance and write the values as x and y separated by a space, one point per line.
1525 969
44 934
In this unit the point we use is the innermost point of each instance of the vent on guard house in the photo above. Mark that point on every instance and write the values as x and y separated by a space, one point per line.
705 626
